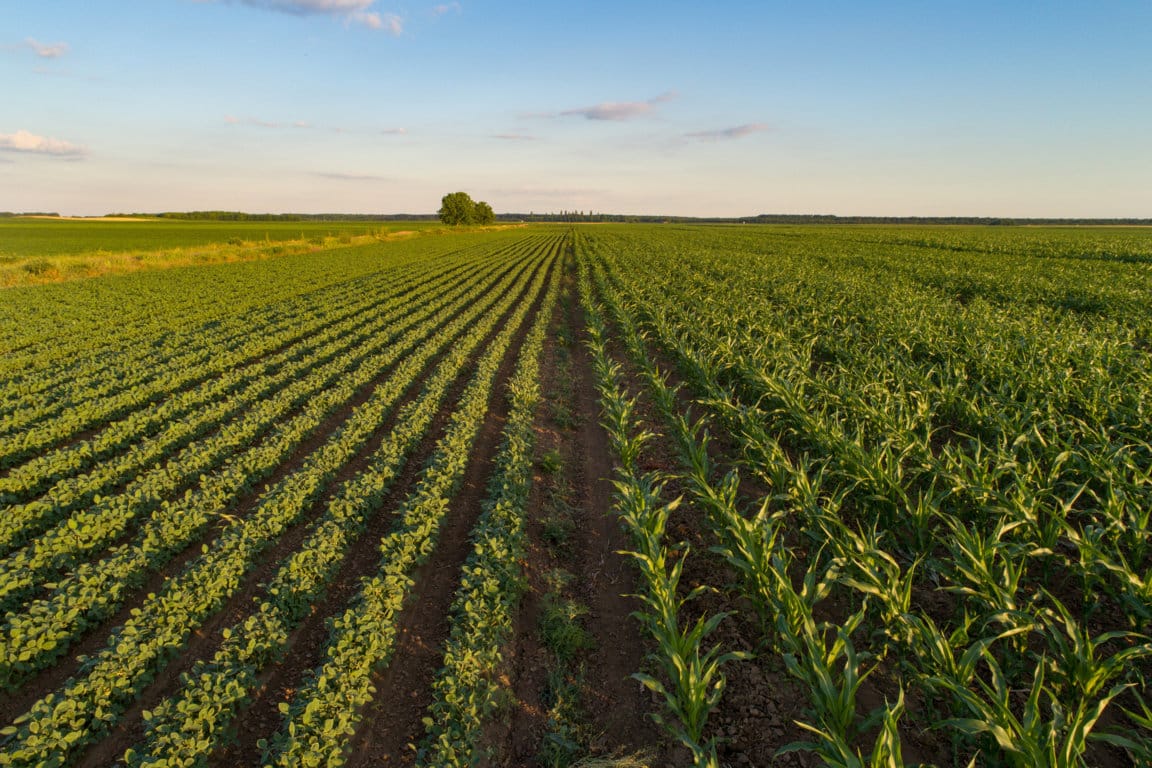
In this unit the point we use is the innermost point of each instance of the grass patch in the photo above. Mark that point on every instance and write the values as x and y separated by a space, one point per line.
561 629
551 462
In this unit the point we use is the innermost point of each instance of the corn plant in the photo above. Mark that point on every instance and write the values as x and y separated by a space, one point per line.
1044 734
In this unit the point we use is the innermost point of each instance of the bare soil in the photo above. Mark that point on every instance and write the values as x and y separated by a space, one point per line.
614 705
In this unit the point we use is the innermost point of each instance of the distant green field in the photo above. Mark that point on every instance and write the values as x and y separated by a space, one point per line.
25 237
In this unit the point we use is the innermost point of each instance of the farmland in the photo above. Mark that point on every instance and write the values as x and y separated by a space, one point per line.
35 251
682 495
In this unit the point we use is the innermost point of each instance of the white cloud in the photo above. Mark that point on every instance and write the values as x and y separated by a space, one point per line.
24 141
390 22
726 134
395 131
616 110
47 50
360 12
513 137
444 8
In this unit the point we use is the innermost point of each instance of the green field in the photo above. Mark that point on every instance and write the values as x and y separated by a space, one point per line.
24 237
882 493
35 251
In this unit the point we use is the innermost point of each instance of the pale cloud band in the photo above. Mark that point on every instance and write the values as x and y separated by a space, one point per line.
24 141
360 12
726 134
43 50
618 110
47 50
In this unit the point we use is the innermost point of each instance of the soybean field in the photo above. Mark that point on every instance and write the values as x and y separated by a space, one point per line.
612 495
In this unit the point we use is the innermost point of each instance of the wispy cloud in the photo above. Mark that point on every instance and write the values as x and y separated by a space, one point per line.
394 131
43 50
727 134
362 12
47 50
514 137
615 110
258 123
444 8
24 141
350 176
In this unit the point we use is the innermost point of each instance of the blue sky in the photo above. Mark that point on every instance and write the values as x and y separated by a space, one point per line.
1013 108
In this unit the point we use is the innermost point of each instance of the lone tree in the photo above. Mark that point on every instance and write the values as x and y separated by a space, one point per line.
457 208
483 214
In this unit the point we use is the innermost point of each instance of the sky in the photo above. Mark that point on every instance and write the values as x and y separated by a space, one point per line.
1012 108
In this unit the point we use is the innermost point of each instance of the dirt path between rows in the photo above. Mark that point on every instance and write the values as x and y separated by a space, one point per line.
614 704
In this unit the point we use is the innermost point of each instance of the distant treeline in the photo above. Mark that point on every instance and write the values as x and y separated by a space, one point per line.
241 216
10 214
789 218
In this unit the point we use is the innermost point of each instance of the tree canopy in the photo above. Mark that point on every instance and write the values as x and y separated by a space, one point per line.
483 213
459 208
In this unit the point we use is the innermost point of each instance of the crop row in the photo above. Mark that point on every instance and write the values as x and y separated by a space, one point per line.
325 711
184 729
88 704
465 692
689 679
22 522
162 315
41 632
159 368
828 480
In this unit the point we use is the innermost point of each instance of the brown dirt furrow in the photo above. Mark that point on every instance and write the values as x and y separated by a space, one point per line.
95 638
614 704
306 646
609 576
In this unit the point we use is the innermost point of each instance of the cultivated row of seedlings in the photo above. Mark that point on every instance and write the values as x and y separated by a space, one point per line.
254 370
82 711
464 692
34 635
185 728
866 518
125 358
325 711
690 680
163 316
